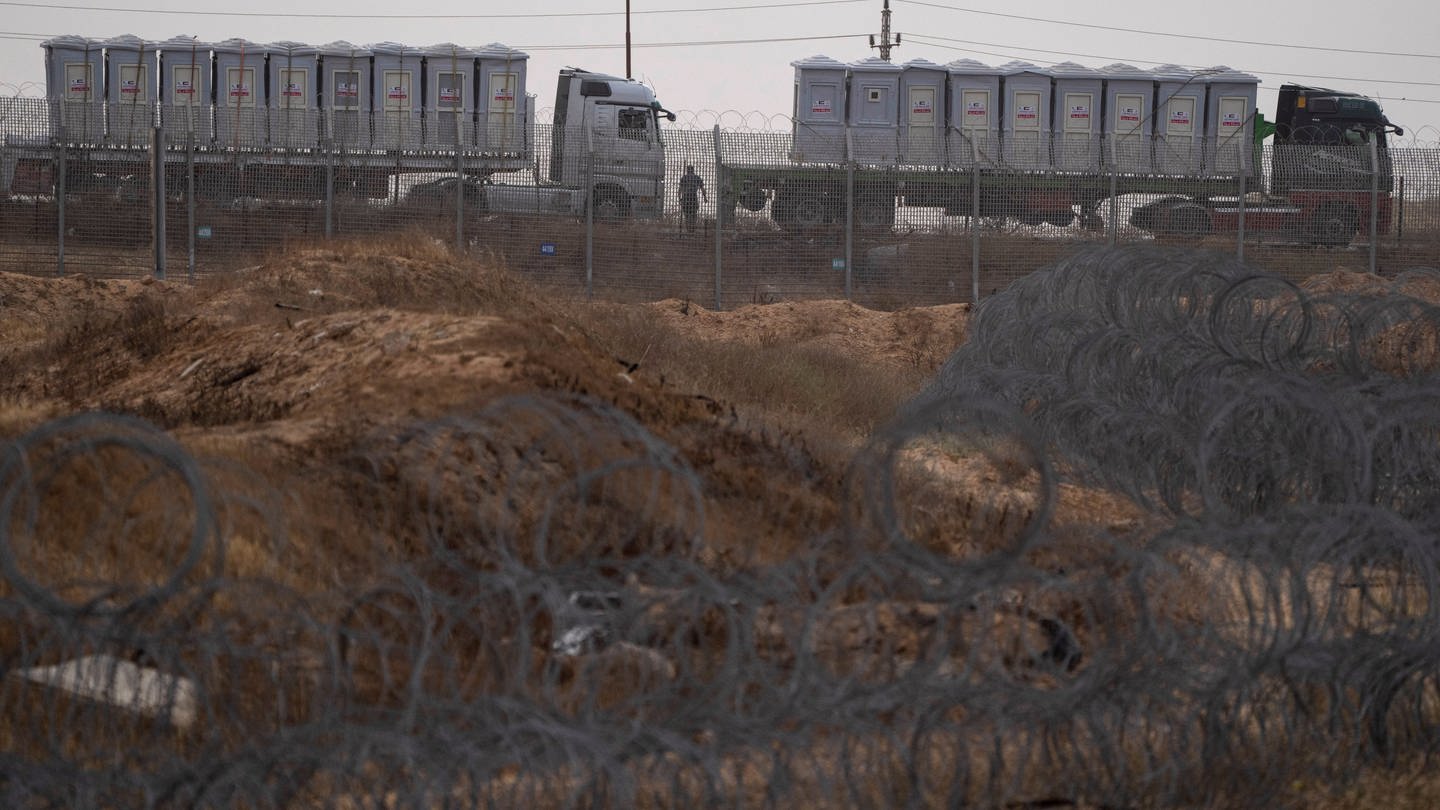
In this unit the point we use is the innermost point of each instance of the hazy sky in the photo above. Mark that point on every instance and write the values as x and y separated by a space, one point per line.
673 50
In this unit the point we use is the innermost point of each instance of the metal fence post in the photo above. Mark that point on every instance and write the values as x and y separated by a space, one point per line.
157 193
61 172
1374 205
974 223
849 209
1111 221
329 189
590 221
721 194
190 203
459 195
1240 213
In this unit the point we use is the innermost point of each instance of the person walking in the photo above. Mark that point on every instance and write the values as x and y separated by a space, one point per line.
692 188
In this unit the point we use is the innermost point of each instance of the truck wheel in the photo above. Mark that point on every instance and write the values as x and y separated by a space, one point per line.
611 203
1334 225
1188 220
809 211
752 197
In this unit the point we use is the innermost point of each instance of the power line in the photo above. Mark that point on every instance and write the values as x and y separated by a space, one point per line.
516 16
1166 33
694 43
923 39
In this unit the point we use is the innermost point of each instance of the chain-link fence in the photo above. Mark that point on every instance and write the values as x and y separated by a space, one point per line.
880 219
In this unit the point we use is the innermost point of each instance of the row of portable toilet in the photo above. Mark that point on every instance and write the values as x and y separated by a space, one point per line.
242 94
1067 117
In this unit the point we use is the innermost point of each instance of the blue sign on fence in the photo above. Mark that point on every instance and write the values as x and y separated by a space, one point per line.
203 231
547 248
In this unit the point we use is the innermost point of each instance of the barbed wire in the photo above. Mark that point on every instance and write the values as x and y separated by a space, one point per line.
542 618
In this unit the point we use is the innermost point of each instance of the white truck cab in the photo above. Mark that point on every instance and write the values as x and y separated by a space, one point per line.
606 139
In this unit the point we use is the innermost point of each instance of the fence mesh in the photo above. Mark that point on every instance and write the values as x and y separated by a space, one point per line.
880 218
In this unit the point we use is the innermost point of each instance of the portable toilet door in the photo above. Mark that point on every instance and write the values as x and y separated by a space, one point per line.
1230 98
449 96
185 90
922 93
345 94
294 117
397 114
874 111
1179 107
1129 117
974 125
501 102
1078 95
819 120
129 90
73 68
239 79
1025 132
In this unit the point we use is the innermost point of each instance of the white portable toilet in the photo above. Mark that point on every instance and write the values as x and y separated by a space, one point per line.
1078 96
397 71
345 94
500 106
129 90
819 121
974 128
1025 126
1129 117
922 113
294 114
449 95
185 92
873 110
1179 108
1230 97
74 67
239 101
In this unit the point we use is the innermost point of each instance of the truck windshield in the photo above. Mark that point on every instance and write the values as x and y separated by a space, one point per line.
634 124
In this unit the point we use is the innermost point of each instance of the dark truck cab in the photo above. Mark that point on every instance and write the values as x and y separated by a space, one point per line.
1323 182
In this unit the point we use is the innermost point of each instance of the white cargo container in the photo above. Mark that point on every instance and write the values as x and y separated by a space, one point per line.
1025 129
294 115
922 95
449 109
1129 117
974 128
501 104
185 93
1076 132
1230 97
1179 106
129 90
346 93
239 102
74 67
397 111
820 84
873 111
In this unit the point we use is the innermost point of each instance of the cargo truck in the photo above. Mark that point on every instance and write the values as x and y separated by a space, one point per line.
289 122
1050 145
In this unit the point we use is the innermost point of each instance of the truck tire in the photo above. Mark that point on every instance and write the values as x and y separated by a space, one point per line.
1187 220
610 203
1334 225
752 197
808 211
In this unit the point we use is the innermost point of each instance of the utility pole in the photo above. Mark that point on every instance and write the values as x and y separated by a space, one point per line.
627 39
885 44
